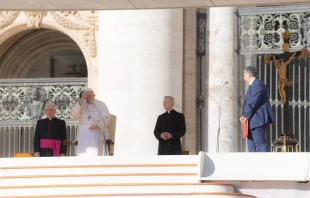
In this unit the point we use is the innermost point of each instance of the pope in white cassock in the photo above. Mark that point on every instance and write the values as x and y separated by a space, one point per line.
94 118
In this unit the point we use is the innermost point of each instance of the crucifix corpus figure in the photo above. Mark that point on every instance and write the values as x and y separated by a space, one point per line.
282 67
282 80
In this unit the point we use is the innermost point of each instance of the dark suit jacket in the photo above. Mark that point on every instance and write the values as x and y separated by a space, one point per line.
57 132
173 123
256 107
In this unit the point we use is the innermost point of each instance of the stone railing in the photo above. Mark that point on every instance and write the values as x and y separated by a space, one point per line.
17 137
22 103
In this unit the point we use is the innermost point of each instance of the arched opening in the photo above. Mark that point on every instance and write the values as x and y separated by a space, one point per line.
37 66
41 53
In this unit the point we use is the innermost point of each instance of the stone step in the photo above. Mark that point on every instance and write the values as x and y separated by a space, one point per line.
122 187
96 179
100 169
126 177
145 195
106 161
116 188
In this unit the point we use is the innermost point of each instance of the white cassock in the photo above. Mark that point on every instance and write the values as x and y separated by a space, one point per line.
92 142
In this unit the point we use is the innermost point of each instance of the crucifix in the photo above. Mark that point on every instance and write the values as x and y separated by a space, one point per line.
287 57
283 82
89 117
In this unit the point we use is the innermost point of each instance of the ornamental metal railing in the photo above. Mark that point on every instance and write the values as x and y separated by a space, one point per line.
260 33
260 28
22 103
17 137
298 98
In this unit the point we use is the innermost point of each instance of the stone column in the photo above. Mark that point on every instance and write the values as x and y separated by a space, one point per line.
140 62
190 85
222 67
248 60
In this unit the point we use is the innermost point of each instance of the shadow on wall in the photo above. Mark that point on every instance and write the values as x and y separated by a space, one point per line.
112 129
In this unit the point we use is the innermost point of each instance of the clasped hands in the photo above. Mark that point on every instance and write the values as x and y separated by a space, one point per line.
166 136
243 119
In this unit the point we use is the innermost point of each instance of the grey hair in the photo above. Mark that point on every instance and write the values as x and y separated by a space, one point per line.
250 70
170 98
50 104
89 89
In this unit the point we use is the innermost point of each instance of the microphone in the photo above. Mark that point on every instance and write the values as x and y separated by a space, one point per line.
219 128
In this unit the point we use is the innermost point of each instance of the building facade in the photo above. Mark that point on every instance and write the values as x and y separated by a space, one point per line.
133 58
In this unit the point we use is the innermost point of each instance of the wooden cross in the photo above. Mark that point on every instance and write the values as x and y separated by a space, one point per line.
287 57
283 82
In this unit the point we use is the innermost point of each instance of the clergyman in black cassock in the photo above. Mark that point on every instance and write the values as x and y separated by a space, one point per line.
169 129
52 129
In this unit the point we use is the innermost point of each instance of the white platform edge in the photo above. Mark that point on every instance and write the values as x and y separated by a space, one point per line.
210 166
256 167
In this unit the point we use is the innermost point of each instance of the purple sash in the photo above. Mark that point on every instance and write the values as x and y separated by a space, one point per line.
53 144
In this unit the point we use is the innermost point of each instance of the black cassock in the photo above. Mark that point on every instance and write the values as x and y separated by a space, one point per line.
54 129
174 123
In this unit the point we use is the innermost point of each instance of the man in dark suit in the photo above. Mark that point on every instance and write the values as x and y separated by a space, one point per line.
50 134
169 129
257 110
